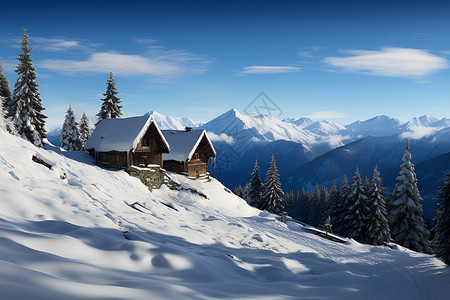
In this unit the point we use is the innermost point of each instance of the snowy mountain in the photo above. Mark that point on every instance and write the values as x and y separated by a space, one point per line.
300 122
168 122
377 126
71 232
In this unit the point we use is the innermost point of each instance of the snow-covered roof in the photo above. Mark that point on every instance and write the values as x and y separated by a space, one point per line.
184 143
121 134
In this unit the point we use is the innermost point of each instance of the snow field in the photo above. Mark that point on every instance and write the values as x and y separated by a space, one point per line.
79 238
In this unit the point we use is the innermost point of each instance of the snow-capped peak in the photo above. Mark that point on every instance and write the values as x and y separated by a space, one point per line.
176 123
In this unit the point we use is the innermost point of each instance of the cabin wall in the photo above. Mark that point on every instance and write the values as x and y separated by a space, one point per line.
113 158
147 158
175 166
197 168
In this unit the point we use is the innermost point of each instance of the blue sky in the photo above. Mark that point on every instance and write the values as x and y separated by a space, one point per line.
341 60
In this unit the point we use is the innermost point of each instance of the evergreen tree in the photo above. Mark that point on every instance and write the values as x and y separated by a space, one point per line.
110 108
314 212
333 200
2 115
378 225
85 130
27 104
288 203
323 205
441 242
5 93
238 190
340 210
357 209
304 206
255 188
406 215
70 136
272 195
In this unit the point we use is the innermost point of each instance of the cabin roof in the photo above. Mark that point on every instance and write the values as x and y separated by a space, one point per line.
184 143
121 134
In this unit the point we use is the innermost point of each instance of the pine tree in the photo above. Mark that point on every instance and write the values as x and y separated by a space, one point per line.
304 206
27 104
288 202
441 242
110 108
406 215
378 225
323 205
272 197
314 212
5 93
70 137
340 210
238 190
85 130
333 200
357 209
255 188
2 115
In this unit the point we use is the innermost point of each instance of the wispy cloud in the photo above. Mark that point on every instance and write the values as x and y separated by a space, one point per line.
419 133
309 51
269 69
390 62
144 40
162 64
326 115
220 138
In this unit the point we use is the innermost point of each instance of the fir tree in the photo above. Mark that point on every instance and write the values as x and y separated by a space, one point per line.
110 108
288 203
323 205
70 137
378 225
441 242
314 212
272 197
340 210
304 206
27 104
357 209
2 115
255 188
333 200
406 215
238 190
5 93
85 130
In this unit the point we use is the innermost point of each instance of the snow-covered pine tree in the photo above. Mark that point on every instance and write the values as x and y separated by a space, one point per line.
441 242
333 200
378 225
255 187
85 130
357 209
27 104
340 210
314 212
5 92
238 190
406 213
110 108
323 205
2 115
70 137
272 195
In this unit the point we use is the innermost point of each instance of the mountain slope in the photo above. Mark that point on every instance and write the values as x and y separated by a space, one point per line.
168 122
78 238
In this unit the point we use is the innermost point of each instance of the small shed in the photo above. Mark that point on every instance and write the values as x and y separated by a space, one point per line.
124 142
190 151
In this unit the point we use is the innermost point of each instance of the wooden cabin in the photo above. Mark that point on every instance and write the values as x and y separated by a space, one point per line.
124 142
189 153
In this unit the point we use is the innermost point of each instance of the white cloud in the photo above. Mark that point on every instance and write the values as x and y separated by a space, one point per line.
326 115
390 62
144 40
419 133
220 138
129 64
269 69
58 44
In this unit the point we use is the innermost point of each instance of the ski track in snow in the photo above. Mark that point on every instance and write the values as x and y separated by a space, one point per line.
79 238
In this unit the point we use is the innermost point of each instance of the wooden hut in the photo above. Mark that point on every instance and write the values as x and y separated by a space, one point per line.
189 153
123 142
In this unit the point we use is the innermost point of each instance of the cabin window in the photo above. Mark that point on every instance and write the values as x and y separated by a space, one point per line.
196 156
145 142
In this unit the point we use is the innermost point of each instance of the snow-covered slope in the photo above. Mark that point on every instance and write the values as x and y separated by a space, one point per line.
70 232
175 123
